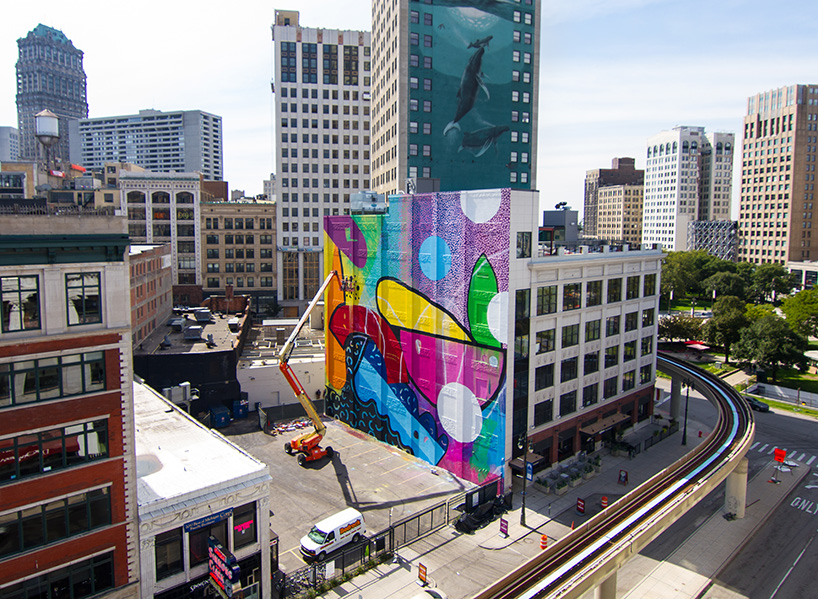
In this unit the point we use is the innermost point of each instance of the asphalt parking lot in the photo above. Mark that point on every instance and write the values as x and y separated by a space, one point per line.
364 473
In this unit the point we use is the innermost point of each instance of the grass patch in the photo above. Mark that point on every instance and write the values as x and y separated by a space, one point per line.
789 407
687 304
813 345
795 379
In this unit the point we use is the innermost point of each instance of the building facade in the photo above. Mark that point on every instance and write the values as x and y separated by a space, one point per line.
322 115
9 144
180 140
623 171
67 473
451 335
151 289
49 76
716 237
455 92
688 177
619 213
778 159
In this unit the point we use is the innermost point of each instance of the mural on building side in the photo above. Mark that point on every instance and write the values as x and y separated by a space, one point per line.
417 326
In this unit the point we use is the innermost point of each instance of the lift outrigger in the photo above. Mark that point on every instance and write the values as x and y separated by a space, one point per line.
306 446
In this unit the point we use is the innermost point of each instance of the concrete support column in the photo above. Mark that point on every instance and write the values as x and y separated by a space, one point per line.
607 589
735 490
675 398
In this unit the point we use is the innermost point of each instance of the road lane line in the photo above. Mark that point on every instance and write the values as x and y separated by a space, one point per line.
766 445
811 460
801 459
795 563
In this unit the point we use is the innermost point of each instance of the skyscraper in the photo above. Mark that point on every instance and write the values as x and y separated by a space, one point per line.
622 172
778 160
49 76
688 177
180 140
322 103
455 93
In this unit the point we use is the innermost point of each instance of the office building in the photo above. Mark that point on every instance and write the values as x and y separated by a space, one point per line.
9 144
619 213
269 188
778 176
67 473
322 115
49 77
688 177
454 94
450 334
623 172
180 140
718 238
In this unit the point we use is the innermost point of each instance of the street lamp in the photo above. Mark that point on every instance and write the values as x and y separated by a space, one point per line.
687 405
522 443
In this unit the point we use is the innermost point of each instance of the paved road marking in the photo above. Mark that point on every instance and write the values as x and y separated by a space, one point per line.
766 445
810 460
795 563
793 453
801 459
754 445
772 449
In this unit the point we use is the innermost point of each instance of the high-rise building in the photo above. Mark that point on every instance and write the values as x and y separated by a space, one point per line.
455 90
778 160
622 172
688 177
322 104
619 213
9 144
68 519
49 76
181 140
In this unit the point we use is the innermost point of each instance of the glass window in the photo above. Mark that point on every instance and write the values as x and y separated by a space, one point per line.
645 374
546 300
633 288
570 335
198 541
611 356
590 395
609 388
244 525
647 317
628 380
49 378
20 303
568 369
629 352
522 303
544 377
546 340
543 412
593 293
631 321
592 330
614 290
168 552
77 581
612 326
83 291
524 244
568 403
647 345
572 296
649 287
591 363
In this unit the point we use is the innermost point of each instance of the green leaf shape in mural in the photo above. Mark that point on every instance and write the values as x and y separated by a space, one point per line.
482 289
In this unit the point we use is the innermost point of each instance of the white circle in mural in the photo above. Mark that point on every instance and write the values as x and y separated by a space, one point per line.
493 362
459 412
480 206
497 316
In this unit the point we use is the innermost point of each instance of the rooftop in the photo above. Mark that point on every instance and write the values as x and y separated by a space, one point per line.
170 337
179 460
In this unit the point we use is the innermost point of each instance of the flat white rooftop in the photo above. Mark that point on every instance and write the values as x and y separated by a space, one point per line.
181 462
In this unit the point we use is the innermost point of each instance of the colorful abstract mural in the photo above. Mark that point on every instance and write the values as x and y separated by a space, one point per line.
417 326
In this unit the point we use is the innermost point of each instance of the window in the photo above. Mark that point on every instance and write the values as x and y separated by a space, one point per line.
168 553
545 341
572 296
51 378
544 377
81 579
647 345
568 369
631 321
197 540
55 449
645 374
647 317
611 326
611 356
629 351
593 293
609 388
591 363
570 335
628 380
592 330
20 303
546 300
524 244
590 395
633 288
543 412
244 525
649 286
614 290
568 403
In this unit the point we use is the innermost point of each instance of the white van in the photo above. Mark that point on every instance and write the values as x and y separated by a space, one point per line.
333 532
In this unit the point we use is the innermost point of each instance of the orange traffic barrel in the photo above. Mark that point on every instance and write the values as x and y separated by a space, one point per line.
604 502
544 542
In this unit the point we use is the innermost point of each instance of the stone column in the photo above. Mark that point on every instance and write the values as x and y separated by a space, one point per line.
606 589
675 398
735 490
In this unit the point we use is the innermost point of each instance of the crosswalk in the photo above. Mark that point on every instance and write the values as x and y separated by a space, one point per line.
798 456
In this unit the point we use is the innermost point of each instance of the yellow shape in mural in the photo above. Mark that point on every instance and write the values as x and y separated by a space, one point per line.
403 308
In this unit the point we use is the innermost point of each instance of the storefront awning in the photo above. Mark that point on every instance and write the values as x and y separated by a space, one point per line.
698 346
600 426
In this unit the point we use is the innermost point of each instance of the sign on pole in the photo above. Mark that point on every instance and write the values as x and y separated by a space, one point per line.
623 477
529 471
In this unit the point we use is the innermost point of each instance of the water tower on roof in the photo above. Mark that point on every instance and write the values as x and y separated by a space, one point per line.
47 131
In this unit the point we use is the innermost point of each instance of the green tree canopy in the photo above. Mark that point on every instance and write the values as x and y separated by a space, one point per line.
770 342
756 311
802 312
679 326
728 320
769 280
726 283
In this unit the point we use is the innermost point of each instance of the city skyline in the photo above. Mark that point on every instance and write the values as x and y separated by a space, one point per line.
612 74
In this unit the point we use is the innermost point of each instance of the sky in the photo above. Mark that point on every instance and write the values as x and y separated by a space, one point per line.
612 72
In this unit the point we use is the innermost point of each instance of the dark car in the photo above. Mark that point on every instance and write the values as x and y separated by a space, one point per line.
757 405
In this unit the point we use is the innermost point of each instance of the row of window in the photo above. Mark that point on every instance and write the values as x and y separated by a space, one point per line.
20 301
214 282
239 239
238 223
54 449
159 197
53 521
77 581
230 253
51 378
214 267
572 294
546 340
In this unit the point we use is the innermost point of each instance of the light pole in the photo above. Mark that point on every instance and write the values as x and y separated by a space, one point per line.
687 405
522 442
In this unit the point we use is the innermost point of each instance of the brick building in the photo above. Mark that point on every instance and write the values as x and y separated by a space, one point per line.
151 291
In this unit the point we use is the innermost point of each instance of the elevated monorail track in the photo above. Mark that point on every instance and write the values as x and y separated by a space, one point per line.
588 555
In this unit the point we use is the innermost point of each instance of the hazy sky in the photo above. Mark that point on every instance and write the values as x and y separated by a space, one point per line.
612 72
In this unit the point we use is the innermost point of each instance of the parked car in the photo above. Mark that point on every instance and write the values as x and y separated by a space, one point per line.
431 594
757 405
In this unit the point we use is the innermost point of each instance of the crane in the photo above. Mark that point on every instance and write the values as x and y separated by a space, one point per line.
306 446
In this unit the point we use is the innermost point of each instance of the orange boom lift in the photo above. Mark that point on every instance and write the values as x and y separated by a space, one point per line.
306 446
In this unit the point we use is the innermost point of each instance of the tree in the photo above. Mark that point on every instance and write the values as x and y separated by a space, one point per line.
769 280
678 274
771 342
728 320
754 312
802 312
679 326
726 283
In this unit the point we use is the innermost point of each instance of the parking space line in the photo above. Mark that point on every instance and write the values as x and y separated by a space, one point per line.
754 445
794 452
801 459
810 460
764 447
772 449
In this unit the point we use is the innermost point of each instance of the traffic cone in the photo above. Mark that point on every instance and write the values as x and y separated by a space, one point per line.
572 525
544 542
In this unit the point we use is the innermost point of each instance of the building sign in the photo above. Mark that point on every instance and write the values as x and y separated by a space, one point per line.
224 568
208 520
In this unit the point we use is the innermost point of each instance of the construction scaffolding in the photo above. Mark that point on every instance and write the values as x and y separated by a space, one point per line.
717 237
